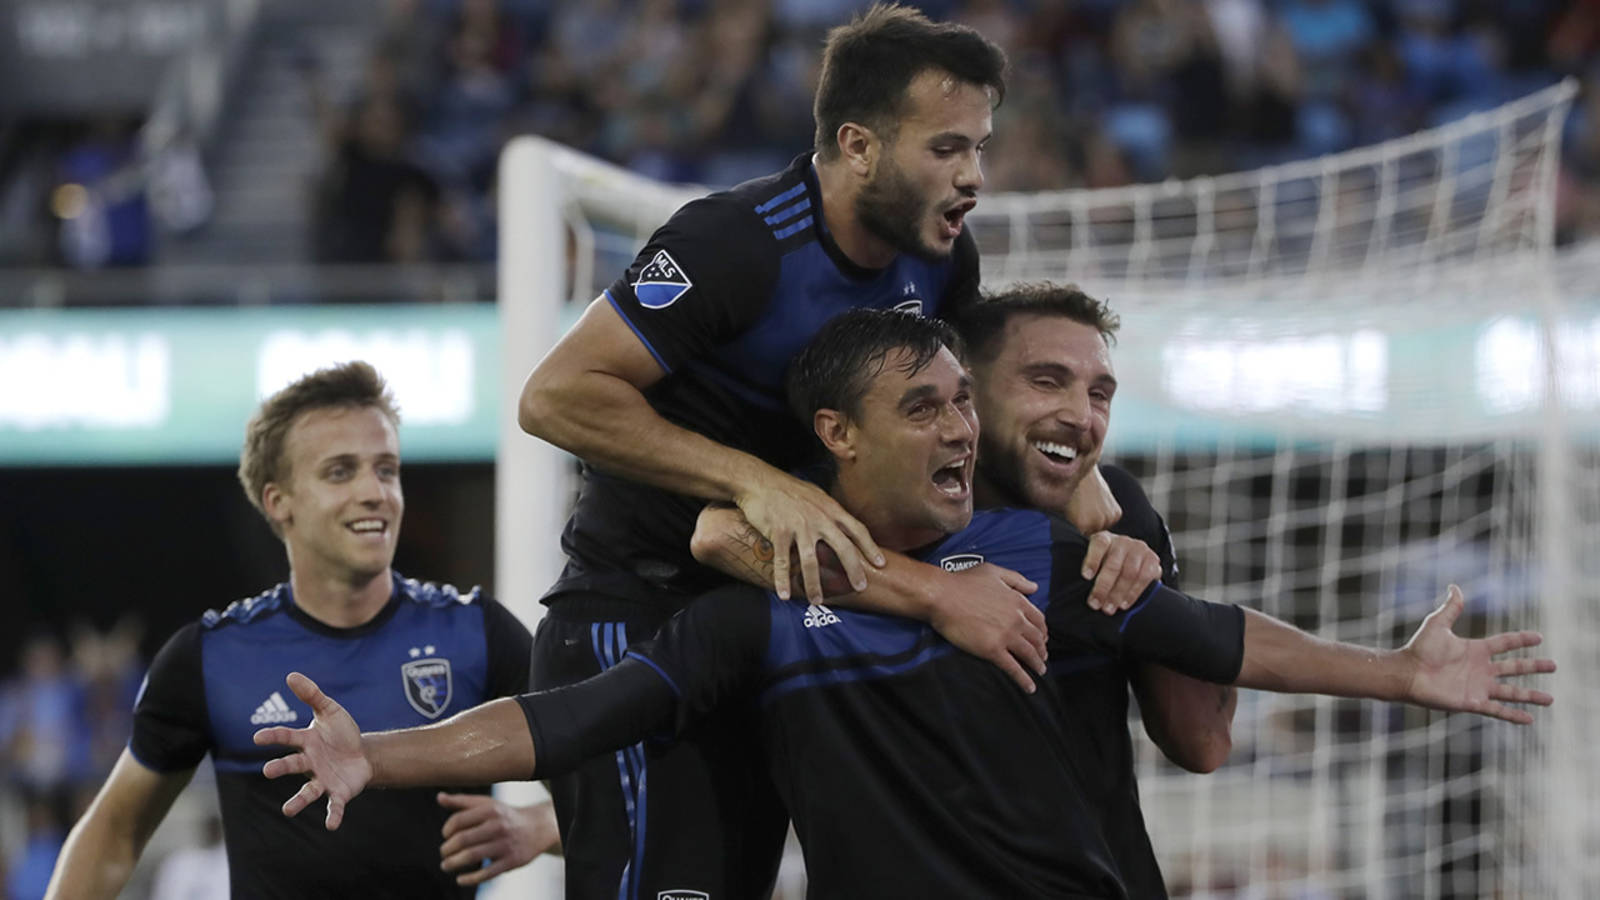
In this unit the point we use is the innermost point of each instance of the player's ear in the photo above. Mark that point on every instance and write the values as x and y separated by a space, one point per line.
275 503
834 430
858 146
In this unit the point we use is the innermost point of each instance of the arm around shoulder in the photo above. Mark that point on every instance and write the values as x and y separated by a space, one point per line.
102 849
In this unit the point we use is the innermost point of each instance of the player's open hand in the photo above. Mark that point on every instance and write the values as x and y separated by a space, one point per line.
1122 568
330 753
985 611
486 837
1462 675
795 517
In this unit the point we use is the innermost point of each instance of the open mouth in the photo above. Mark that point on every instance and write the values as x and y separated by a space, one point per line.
954 216
1057 453
952 480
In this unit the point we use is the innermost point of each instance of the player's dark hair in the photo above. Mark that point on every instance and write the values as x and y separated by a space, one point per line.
835 370
353 385
981 323
868 65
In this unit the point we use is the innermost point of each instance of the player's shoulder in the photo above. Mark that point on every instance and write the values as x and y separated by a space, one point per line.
1124 486
767 212
249 610
434 595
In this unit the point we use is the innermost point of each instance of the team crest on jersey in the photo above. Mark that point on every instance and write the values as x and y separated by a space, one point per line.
428 685
912 306
681 894
961 562
661 283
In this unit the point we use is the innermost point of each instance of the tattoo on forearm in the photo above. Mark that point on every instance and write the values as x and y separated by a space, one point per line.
753 545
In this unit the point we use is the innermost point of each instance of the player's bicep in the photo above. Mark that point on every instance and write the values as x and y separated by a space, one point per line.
131 803
1200 639
602 342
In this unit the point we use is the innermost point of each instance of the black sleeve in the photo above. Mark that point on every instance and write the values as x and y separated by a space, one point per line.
621 706
510 650
702 280
171 729
1141 521
965 276
1200 639
702 656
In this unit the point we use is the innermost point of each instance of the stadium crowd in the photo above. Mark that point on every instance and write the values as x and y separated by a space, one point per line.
1103 93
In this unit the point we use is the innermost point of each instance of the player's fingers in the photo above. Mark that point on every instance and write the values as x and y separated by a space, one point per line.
849 555
1014 670
472 853
461 801
1098 545
465 818
1035 618
782 541
278 734
293 764
479 876
1028 653
810 571
308 692
1513 640
1016 580
1511 693
478 835
307 795
1508 667
1106 582
1450 610
335 813
1507 713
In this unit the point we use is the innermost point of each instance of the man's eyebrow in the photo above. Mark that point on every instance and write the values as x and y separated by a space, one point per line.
920 392
952 137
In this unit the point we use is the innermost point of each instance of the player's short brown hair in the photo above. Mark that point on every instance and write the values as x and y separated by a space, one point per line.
354 385
868 65
981 323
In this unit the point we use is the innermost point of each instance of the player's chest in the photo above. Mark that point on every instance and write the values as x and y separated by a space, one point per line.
403 675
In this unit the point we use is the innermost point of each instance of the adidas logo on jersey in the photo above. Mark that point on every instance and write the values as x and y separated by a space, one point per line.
820 616
273 712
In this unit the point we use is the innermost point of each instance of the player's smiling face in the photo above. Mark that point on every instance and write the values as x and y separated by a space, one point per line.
907 473
1046 403
340 507
928 172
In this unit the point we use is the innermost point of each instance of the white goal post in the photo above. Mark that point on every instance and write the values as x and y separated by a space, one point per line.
1345 382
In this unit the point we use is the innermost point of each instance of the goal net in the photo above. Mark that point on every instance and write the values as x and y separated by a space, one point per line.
1346 383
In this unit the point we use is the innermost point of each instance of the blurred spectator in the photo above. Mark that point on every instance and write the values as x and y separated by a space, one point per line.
28 873
374 204
48 741
104 213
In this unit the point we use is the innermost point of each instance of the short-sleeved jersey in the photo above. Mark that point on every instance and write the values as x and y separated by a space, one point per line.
723 296
909 767
430 653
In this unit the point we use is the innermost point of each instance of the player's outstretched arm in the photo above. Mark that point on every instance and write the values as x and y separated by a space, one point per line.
483 745
104 846
1436 668
485 837
587 397
984 610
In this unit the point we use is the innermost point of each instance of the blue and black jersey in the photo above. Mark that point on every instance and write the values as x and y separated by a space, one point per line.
909 767
430 653
723 296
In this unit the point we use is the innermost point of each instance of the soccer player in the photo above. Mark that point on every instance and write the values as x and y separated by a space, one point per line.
910 769
669 388
321 461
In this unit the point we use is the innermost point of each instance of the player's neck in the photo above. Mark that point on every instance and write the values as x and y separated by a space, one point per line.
986 494
339 600
886 528
839 188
